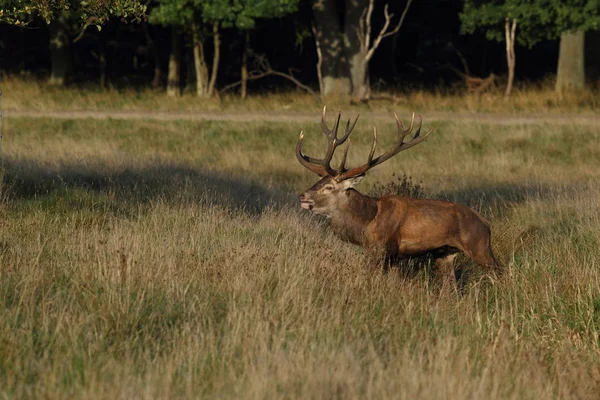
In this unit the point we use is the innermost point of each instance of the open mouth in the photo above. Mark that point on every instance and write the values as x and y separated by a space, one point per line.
307 204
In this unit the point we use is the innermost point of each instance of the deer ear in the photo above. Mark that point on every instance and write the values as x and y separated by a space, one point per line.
351 182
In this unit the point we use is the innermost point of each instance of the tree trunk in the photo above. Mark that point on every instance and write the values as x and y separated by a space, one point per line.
60 51
102 61
244 71
356 58
510 53
571 62
173 78
199 63
363 47
190 70
216 59
319 58
334 65
156 81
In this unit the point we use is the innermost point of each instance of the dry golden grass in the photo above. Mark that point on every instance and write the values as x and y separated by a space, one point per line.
31 94
169 260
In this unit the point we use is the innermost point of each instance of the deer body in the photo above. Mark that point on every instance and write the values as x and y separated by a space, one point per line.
408 227
393 227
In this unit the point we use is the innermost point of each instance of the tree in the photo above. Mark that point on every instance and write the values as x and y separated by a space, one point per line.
360 63
59 15
345 45
176 14
333 68
91 12
205 18
509 31
198 19
570 73
245 13
538 20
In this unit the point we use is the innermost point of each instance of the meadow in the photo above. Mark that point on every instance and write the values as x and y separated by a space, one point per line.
540 98
147 259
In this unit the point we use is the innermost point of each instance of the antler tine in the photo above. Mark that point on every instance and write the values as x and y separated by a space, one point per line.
341 141
348 131
401 144
322 166
343 163
331 133
398 147
418 138
310 163
372 153
402 133
362 169
332 141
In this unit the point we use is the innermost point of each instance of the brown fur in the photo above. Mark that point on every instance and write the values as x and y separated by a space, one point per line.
392 227
396 227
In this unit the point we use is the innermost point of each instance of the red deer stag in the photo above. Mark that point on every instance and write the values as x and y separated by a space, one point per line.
393 227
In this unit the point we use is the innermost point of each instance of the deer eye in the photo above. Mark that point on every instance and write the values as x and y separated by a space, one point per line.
328 187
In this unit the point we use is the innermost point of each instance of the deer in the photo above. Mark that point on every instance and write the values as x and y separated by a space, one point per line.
392 228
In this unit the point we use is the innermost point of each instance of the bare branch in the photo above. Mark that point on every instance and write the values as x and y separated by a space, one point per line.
90 21
367 36
319 57
262 70
361 32
400 22
383 33
462 59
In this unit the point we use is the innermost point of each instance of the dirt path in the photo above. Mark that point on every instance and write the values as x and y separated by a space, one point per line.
277 116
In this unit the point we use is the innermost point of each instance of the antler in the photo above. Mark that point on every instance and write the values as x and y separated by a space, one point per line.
397 148
322 166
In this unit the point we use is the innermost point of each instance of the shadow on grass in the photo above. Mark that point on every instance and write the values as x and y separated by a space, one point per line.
496 197
499 198
127 187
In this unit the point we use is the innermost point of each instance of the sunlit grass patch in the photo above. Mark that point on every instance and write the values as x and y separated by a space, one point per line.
32 94
170 259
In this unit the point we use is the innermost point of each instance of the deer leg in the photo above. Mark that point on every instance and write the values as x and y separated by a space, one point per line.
445 269
486 259
377 259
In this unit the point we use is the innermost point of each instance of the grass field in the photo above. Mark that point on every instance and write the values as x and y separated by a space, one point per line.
145 259
32 94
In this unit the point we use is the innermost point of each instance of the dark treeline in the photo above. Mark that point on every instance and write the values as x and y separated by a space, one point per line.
428 51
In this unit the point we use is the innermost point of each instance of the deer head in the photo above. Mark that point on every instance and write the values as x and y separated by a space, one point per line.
331 192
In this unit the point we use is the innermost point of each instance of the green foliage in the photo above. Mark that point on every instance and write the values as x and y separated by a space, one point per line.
537 19
174 12
91 12
239 13
248 11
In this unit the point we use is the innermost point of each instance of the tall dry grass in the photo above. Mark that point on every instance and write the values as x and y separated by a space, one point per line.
169 260
33 94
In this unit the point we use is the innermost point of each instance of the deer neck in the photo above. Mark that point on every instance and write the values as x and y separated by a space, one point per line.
353 215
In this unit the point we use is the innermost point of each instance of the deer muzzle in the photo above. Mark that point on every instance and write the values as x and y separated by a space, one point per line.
305 202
